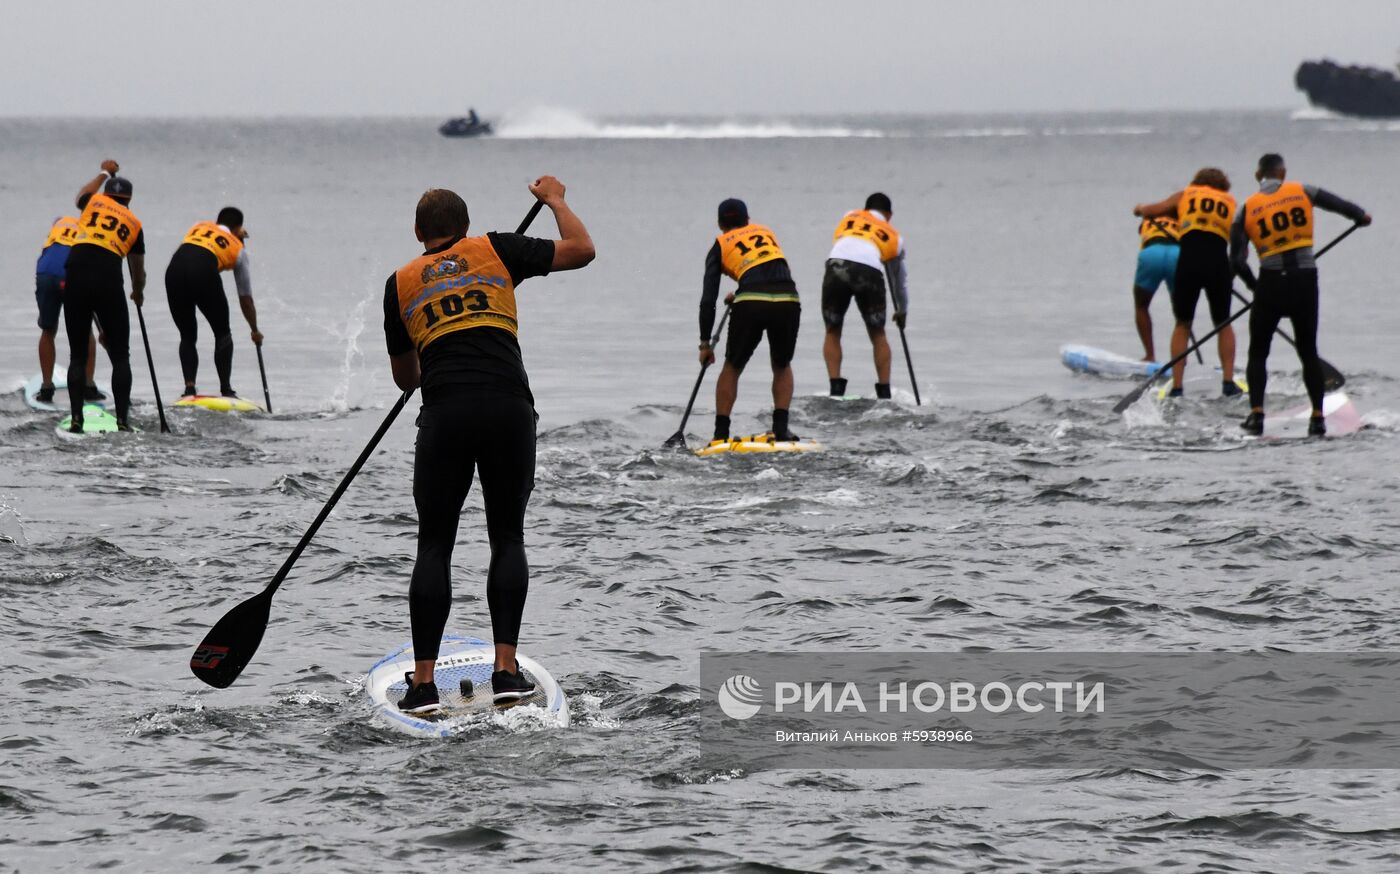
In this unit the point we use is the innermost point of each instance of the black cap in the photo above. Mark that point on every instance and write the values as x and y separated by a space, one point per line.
117 186
1269 164
733 212
879 202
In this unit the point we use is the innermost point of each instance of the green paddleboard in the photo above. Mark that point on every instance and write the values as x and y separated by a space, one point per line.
96 420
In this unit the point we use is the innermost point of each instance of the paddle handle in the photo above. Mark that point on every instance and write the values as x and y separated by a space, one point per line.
151 363
267 398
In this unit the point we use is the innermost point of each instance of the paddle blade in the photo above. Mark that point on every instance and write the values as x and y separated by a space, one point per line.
675 441
1132 397
230 644
1332 378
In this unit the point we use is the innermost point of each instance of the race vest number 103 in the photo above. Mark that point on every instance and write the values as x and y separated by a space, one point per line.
466 286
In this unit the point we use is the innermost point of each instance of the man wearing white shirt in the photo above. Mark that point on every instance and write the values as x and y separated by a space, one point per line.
866 251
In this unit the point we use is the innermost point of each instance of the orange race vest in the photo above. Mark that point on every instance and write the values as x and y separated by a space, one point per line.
742 249
1203 208
224 245
1279 222
868 226
108 224
1149 232
63 233
466 286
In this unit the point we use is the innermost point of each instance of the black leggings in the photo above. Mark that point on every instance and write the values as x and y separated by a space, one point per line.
192 282
1290 294
88 293
495 434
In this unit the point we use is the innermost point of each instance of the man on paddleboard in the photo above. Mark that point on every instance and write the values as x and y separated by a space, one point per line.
1203 210
1156 263
765 302
865 251
450 325
1278 220
108 233
49 274
192 282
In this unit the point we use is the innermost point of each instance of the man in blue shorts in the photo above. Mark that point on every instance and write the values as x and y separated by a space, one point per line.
1156 263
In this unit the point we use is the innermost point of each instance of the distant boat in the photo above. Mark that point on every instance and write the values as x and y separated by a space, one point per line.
1369 92
467 126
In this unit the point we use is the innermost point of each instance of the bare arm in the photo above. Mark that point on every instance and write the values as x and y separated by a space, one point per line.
575 247
109 169
136 266
250 312
1159 209
405 368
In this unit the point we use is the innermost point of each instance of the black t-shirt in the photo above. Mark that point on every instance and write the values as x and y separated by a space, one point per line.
481 359
93 259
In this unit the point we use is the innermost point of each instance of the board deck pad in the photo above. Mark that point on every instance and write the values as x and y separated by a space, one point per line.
96 421
757 443
460 658
1342 416
219 404
60 397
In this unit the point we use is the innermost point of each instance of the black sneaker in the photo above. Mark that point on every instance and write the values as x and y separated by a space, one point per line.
422 698
189 392
93 393
507 687
1253 424
1175 393
1230 390
75 425
44 395
123 425
1317 426
786 437
228 392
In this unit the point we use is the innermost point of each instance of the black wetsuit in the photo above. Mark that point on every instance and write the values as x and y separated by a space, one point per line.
478 415
764 302
93 288
192 282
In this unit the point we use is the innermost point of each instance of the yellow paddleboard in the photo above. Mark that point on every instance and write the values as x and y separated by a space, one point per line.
219 404
758 443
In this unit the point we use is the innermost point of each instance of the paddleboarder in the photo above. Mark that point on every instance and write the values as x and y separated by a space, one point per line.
1158 250
866 250
49 274
765 302
1278 220
108 233
1203 210
192 282
450 326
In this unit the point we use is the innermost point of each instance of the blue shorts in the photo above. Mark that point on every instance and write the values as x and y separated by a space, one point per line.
48 292
1156 264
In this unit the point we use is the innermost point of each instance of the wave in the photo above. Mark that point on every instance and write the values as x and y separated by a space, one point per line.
566 124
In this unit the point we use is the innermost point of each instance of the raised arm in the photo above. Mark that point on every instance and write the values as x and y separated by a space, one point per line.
109 169
574 248
1159 209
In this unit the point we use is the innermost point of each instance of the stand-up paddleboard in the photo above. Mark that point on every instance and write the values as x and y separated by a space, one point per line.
60 396
758 443
1201 385
1292 424
1101 362
219 404
96 422
463 678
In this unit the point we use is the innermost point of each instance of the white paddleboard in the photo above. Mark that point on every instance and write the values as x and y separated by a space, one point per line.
60 395
461 658
1101 362
1292 424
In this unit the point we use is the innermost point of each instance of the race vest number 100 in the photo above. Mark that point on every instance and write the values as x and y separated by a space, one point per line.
1203 208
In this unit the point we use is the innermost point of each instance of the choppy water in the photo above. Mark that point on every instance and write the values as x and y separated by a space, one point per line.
1011 511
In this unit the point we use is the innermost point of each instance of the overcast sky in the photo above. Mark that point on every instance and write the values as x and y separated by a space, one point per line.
750 57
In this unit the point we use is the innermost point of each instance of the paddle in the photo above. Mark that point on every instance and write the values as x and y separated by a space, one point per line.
1332 378
908 360
231 643
1200 359
151 363
678 439
1131 397
267 398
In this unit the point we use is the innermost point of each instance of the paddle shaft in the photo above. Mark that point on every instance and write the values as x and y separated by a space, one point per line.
891 277
151 363
695 392
1200 359
267 398
909 361
1131 398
